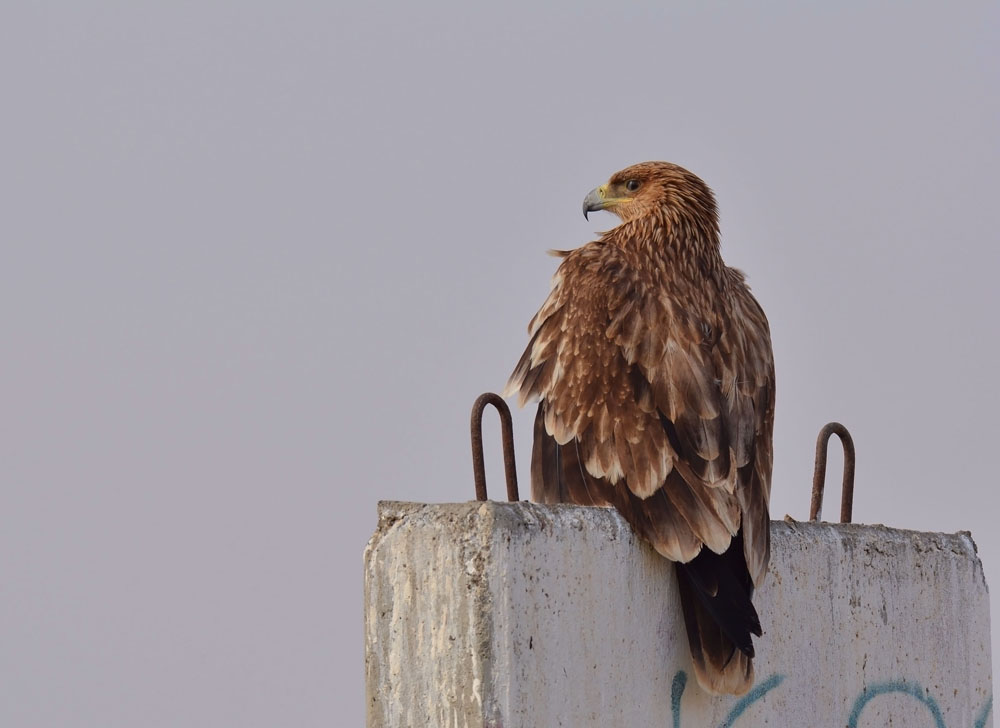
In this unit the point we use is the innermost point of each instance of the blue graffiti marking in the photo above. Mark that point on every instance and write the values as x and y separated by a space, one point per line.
676 691
984 713
873 691
868 694
758 692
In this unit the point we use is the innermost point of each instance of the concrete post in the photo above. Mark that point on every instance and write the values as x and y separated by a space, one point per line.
516 615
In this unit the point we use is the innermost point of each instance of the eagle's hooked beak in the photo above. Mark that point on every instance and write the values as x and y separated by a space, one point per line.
597 199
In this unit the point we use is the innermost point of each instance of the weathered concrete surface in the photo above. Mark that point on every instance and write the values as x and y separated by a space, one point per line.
498 615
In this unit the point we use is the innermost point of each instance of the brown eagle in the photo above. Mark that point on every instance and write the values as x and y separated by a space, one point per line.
652 364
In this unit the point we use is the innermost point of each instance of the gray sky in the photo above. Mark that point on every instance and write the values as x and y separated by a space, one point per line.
258 259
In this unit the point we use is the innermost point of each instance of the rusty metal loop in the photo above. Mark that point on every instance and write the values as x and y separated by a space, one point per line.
507 433
819 472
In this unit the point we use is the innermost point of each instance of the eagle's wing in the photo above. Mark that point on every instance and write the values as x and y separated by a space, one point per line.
660 404
658 398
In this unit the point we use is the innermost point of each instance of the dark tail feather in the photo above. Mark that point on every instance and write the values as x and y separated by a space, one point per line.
720 618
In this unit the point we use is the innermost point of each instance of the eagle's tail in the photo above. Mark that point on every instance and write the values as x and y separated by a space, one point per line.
715 596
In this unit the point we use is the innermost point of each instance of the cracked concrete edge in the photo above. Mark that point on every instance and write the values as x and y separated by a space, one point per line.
960 543
525 514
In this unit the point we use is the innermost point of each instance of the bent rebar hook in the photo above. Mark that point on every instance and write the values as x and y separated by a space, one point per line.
819 472
507 433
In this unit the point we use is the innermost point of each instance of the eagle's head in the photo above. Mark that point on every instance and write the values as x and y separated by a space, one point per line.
654 189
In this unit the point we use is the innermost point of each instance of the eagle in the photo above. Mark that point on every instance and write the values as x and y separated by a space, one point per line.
652 366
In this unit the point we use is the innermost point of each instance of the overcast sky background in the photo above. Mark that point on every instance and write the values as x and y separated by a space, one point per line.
258 259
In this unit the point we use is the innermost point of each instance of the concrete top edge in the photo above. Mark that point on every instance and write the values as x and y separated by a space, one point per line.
525 512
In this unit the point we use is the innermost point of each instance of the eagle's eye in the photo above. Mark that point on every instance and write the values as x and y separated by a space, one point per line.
632 185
